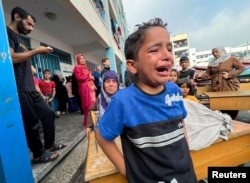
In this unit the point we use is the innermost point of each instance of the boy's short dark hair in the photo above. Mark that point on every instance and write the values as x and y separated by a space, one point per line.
46 70
21 12
135 40
104 59
184 58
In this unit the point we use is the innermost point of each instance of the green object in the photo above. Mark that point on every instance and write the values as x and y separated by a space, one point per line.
245 74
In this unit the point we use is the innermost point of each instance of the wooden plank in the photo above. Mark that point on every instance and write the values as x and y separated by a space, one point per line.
230 103
229 100
245 86
98 166
112 178
232 152
201 89
224 94
97 163
207 88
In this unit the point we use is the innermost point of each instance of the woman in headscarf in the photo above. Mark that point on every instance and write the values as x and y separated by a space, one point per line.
86 86
223 71
110 85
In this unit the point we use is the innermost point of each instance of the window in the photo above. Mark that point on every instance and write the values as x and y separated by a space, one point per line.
63 56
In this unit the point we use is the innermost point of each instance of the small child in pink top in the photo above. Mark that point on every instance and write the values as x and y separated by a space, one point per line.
73 106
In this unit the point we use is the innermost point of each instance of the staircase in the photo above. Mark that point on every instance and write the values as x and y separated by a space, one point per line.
69 166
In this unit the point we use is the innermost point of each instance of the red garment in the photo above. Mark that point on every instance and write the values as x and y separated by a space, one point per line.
36 81
86 87
47 87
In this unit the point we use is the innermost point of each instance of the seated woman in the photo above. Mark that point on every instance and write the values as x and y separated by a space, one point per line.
186 88
110 85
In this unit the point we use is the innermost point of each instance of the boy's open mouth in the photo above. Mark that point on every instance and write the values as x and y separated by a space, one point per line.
162 69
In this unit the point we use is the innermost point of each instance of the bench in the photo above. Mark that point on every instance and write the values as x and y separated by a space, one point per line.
203 94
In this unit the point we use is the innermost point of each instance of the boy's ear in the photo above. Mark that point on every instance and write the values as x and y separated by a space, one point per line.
131 66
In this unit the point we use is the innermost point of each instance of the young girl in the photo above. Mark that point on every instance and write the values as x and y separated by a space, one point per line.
186 88
174 75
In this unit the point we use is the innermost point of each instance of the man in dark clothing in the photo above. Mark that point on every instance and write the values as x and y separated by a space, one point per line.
129 78
33 107
98 79
106 65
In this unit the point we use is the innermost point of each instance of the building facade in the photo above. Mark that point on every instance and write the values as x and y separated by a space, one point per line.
96 28
202 58
181 47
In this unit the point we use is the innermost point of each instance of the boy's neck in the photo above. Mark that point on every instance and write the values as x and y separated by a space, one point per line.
184 69
152 90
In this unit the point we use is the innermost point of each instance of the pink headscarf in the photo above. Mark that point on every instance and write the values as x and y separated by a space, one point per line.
78 57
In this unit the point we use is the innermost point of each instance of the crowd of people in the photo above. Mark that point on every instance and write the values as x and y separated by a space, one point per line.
43 100
146 131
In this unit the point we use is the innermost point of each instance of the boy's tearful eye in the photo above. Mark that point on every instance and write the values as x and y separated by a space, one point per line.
162 69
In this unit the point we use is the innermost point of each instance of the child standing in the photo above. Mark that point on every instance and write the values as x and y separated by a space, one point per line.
153 139
185 71
174 75
48 88
186 88
73 106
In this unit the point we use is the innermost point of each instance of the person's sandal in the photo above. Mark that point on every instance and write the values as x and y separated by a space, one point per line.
46 157
57 147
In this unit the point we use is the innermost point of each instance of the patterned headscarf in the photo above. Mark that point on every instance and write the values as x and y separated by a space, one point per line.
223 57
104 97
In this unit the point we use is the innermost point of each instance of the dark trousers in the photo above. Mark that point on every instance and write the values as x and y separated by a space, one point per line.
97 91
73 106
33 109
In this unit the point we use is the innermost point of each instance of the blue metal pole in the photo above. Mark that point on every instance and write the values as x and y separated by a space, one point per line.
15 163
